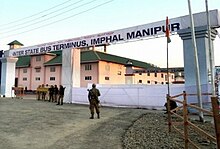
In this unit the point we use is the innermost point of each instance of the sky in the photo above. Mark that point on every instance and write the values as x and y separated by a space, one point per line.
42 21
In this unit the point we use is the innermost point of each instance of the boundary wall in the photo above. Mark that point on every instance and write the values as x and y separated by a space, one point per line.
134 96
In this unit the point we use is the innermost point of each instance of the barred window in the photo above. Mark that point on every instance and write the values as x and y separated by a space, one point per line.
37 78
52 78
107 67
88 77
37 69
106 78
119 72
52 69
25 70
88 67
38 58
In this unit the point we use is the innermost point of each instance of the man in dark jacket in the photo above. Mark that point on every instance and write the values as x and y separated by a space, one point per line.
173 105
56 91
61 94
51 93
94 101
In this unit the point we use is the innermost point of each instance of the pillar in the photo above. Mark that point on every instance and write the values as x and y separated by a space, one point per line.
70 72
8 76
202 44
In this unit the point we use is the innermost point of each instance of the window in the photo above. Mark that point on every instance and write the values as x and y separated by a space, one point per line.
148 74
52 78
52 69
155 82
37 78
140 74
88 77
166 78
140 81
88 67
106 78
161 75
155 74
107 67
148 82
24 79
38 58
37 69
25 70
119 66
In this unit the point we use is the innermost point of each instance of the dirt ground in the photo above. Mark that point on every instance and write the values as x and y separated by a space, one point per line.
32 124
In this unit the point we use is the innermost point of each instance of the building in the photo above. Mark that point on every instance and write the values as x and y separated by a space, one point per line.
96 67
15 44
179 75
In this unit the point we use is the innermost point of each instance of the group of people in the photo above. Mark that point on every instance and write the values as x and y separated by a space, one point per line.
54 94
51 93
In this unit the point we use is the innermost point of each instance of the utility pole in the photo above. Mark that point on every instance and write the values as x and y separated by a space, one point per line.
198 83
210 50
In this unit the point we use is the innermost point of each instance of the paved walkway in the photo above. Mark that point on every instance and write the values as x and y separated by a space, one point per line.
31 124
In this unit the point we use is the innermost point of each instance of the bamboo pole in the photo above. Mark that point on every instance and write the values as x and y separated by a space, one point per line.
215 108
200 109
185 117
202 132
168 112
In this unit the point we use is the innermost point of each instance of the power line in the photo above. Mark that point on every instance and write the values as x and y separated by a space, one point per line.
21 19
46 19
33 20
60 19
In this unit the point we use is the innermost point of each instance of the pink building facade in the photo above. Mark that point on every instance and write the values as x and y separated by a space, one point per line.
96 67
37 73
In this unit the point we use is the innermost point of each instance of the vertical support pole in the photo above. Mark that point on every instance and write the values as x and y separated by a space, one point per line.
105 49
216 116
211 61
168 75
185 119
168 112
198 83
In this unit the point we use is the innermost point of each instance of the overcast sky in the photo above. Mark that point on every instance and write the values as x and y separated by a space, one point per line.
41 21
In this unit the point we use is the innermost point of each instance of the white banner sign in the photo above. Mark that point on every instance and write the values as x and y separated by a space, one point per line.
133 33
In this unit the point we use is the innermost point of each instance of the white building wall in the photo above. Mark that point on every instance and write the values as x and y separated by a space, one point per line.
136 96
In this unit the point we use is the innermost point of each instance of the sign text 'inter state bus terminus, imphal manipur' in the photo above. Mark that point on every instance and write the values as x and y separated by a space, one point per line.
98 39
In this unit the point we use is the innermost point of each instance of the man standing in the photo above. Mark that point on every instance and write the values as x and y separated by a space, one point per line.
94 101
56 91
51 92
61 94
